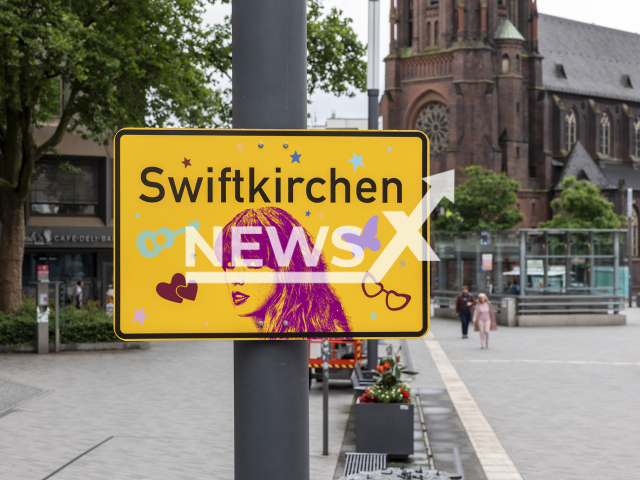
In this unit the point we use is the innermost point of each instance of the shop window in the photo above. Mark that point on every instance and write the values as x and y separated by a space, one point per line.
55 191
569 130
636 139
505 63
605 134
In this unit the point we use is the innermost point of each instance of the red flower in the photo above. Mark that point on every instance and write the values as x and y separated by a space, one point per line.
405 394
386 365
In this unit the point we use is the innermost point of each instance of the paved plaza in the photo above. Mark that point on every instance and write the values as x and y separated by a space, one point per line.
562 402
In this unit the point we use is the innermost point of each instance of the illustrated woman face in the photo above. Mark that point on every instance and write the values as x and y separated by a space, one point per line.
249 299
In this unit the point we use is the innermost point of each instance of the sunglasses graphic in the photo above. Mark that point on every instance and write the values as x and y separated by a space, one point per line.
374 289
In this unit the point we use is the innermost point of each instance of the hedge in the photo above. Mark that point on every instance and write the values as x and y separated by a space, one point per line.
89 325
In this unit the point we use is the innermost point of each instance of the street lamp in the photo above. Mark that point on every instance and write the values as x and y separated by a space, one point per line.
373 63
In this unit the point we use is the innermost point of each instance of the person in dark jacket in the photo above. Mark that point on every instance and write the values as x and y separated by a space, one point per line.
463 309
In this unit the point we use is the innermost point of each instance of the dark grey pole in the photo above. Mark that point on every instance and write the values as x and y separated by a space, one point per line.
271 378
630 242
372 354
325 397
373 108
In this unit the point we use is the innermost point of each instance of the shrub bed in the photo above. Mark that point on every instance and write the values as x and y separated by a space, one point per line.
89 325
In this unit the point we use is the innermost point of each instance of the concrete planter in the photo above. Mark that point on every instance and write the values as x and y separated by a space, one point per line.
384 428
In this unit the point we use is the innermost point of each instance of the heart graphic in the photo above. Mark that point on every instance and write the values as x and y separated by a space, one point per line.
168 290
394 296
189 292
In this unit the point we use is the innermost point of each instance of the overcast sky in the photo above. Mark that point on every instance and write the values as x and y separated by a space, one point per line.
619 14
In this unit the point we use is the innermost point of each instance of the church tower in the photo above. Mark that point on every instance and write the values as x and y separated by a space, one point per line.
467 73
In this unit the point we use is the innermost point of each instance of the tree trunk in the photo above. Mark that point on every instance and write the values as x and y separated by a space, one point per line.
11 253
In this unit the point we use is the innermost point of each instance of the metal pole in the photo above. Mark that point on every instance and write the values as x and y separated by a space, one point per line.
57 318
271 378
325 397
372 354
629 242
373 63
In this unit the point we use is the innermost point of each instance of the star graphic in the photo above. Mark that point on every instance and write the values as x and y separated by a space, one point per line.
296 157
239 147
307 213
206 324
139 316
389 149
402 263
374 316
137 215
357 161
187 163
320 215
193 255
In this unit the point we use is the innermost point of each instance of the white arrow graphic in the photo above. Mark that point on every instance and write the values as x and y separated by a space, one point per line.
408 228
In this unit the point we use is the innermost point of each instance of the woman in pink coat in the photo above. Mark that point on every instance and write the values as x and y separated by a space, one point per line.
484 319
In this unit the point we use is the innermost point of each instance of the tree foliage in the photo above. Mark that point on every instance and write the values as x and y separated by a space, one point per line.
581 205
90 67
486 201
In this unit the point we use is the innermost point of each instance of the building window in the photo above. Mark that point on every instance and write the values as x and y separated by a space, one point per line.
634 232
517 152
55 191
518 108
428 34
435 33
433 120
605 134
517 63
569 130
636 138
505 63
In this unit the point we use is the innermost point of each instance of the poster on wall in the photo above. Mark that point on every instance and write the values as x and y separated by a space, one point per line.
271 234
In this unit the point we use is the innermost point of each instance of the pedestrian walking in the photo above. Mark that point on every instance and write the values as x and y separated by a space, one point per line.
484 320
78 294
463 309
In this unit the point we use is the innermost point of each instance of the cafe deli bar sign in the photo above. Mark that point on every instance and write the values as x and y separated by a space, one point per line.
76 237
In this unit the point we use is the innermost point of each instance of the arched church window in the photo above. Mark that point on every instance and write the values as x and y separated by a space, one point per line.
605 134
517 63
505 63
636 138
433 120
634 232
435 33
570 130
428 34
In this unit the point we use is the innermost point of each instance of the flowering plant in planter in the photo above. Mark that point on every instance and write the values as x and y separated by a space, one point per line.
389 387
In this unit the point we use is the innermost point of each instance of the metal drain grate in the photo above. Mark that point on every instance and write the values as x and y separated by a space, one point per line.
364 462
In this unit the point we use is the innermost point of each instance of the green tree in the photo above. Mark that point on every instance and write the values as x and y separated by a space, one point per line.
94 65
581 205
486 201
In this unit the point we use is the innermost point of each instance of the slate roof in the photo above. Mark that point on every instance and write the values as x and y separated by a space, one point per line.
581 162
507 31
616 171
594 58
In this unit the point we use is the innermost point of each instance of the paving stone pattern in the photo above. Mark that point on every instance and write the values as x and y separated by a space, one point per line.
556 414
13 394
169 411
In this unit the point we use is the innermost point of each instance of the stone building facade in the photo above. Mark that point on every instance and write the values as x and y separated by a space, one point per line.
495 83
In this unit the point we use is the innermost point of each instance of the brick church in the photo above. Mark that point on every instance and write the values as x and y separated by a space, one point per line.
497 84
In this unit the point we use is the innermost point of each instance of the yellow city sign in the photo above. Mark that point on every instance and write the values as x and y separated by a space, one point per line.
270 234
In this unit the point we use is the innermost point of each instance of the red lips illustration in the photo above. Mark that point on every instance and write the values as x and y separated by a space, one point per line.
178 289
